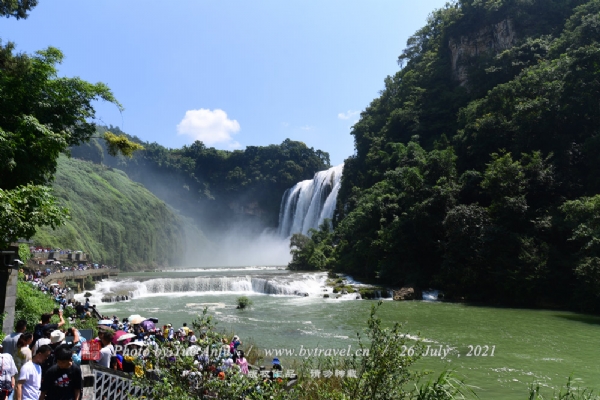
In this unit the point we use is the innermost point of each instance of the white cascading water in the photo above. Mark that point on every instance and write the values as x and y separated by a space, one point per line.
310 202
299 285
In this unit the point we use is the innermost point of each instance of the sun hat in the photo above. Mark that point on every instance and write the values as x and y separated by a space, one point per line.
137 342
276 361
56 336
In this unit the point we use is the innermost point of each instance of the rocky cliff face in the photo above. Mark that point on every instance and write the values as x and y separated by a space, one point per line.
490 39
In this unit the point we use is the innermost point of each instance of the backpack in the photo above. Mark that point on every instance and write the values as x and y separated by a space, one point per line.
51 360
38 333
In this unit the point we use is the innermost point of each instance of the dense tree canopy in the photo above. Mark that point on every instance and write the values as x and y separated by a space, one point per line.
486 187
16 8
41 115
217 187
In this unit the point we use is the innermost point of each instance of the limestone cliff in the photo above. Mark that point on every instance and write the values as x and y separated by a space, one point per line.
489 39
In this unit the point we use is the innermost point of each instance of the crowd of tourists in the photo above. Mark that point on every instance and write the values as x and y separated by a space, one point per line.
40 364
41 249
45 363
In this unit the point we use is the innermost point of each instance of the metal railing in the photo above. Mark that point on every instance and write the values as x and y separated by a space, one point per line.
114 385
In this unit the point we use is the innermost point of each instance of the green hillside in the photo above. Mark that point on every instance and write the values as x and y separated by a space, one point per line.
476 170
220 189
116 220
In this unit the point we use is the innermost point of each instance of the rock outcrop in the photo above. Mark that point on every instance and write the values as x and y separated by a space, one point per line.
405 293
490 39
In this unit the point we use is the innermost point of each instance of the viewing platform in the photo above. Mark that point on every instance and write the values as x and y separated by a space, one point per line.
59 256
80 276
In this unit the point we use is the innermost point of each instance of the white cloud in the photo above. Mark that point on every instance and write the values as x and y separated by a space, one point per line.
307 128
208 126
348 115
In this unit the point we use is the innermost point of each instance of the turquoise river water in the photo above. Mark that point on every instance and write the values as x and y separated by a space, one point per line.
289 312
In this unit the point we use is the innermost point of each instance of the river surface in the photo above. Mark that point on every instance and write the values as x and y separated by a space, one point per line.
289 312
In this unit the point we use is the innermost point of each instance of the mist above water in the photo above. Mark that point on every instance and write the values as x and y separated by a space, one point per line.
241 246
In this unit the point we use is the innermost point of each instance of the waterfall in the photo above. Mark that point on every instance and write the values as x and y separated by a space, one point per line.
308 203
290 285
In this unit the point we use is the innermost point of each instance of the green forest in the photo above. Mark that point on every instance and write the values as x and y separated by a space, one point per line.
117 221
218 188
476 170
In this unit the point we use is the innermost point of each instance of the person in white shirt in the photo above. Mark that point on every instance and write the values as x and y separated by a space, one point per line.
30 377
8 370
107 349
192 338
45 340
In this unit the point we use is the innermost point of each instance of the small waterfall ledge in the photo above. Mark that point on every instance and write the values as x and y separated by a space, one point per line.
308 203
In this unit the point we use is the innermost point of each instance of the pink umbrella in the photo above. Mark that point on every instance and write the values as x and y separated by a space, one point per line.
116 337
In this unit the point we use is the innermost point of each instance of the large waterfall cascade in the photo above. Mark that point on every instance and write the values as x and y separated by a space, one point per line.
310 202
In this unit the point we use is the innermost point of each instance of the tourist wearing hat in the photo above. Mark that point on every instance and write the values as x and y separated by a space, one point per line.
57 339
225 348
276 369
235 342
192 339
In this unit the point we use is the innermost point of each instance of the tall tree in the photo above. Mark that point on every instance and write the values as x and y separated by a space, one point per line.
41 115
16 8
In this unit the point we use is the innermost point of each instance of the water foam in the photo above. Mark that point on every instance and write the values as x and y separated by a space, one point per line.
308 203
294 285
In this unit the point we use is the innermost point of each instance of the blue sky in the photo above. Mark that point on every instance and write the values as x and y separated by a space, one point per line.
229 73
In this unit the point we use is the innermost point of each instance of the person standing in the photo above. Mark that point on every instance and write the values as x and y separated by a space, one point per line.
8 370
108 350
63 381
9 344
242 362
45 324
22 353
171 332
192 339
30 376
185 329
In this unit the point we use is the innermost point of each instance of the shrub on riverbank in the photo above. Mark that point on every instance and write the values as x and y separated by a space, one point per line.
385 372
89 283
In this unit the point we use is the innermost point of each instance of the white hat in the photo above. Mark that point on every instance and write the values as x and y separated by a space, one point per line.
137 342
56 336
